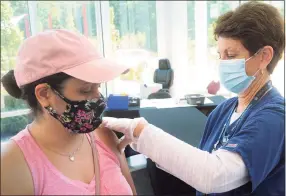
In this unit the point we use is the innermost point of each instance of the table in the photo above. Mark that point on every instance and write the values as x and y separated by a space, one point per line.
135 112
185 123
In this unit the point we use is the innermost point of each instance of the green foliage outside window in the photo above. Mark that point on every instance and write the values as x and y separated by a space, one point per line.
11 37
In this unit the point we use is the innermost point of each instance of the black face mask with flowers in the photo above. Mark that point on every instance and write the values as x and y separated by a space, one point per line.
79 116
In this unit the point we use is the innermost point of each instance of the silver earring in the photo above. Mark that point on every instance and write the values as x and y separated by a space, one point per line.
50 108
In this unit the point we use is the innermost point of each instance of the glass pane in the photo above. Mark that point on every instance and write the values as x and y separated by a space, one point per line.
278 76
134 42
212 10
280 5
72 15
78 16
191 32
276 3
215 9
15 27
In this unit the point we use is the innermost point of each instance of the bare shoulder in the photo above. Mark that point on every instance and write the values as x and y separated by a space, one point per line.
109 138
14 171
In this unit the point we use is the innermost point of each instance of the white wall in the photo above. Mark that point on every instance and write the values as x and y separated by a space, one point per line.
172 37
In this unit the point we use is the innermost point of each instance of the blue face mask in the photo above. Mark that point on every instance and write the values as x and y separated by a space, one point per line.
233 75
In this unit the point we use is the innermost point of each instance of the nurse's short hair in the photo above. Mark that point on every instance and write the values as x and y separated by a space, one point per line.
256 25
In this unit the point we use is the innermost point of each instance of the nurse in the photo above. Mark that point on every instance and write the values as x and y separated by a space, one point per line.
242 148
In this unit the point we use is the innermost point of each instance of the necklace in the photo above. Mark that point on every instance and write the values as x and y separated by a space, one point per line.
71 155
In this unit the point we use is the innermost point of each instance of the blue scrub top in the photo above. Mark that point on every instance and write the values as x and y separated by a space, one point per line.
259 138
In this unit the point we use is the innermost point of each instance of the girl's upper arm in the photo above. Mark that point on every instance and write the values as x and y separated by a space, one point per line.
16 178
111 140
126 172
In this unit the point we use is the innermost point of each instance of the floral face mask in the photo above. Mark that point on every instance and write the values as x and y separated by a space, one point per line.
79 116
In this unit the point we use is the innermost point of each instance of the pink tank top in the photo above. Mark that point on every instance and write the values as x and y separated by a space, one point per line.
48 180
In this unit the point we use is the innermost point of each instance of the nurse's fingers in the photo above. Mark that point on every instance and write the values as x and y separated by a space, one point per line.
123 142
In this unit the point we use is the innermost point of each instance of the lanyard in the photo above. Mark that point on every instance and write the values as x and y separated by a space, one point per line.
263 91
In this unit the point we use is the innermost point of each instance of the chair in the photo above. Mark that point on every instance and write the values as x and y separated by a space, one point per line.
165 74
161 94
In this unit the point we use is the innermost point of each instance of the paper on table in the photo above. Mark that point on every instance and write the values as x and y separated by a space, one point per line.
207 100
171 103
162 103
146 103
167 103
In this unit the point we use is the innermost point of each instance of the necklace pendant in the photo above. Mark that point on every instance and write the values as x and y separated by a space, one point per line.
71 158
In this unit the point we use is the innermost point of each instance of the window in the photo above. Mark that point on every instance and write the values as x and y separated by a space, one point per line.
78 16
72 15
278 75
125 31
15 27
200 26
134 42
201 42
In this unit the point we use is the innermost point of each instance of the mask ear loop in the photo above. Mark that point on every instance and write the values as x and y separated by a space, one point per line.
253 55
59 94
69 102
262 72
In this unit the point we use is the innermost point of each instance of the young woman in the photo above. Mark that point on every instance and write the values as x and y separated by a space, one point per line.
62 152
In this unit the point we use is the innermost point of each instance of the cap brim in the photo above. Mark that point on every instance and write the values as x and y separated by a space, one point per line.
97 71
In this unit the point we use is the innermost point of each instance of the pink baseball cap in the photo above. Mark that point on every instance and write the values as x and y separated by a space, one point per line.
55 51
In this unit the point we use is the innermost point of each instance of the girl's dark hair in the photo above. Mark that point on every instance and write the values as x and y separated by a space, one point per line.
27 92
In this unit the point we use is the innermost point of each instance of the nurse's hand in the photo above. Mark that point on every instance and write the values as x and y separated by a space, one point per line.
131 128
